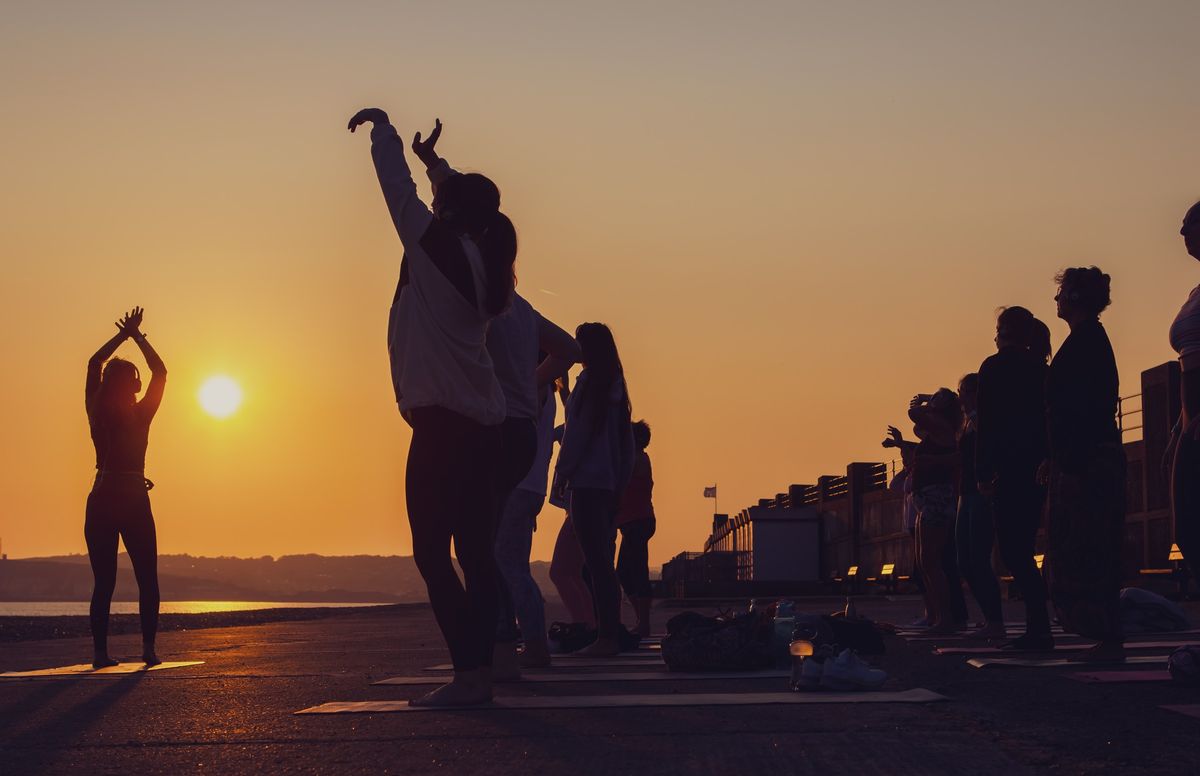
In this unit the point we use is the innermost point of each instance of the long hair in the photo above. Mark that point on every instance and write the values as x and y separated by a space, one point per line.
604 369
471 205
1040 345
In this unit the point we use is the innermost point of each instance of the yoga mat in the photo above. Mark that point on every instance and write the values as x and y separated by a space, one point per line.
1057 648
636 655
579 662
924 635
531 677
627 701
1188 709
85 669
1108 677
1022 662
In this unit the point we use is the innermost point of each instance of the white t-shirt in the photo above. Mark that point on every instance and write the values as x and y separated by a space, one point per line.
539 473
512 342
437 340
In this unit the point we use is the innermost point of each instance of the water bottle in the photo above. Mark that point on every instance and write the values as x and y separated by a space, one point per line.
781 638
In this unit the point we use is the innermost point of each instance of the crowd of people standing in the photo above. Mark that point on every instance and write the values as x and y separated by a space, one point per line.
473 368
1029 440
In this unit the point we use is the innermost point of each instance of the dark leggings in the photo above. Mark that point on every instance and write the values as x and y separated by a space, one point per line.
1018 514
120 508
454 468
592 514
1185 499
519 440
975 534
958 602
633 561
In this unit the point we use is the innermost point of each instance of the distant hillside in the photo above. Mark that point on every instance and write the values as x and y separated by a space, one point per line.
354 578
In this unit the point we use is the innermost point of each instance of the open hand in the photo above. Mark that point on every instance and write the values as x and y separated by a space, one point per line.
373 115
894 438
424 149
130 324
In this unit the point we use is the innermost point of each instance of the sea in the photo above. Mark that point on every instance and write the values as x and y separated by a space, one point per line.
65 608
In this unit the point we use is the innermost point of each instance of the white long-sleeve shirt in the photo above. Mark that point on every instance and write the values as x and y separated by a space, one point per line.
437 339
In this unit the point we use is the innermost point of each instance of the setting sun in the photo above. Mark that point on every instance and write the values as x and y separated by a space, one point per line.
220 396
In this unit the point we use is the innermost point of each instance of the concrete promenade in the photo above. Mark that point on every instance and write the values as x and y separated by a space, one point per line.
235 714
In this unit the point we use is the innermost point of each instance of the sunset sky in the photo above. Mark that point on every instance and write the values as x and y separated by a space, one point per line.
793 215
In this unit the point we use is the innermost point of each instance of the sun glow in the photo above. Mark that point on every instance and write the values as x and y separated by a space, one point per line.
220 396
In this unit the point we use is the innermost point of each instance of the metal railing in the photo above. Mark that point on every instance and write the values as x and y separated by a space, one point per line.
1124 412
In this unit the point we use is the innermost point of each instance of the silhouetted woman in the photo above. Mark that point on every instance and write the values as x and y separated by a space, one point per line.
936 420
528 352
595 462
119 504
1010 447
974 529
567 566
1185 463
1086 469
456 276
636 523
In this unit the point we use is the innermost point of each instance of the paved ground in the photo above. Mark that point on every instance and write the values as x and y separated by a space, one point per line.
234 714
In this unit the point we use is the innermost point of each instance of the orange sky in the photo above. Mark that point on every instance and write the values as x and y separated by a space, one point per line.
793 215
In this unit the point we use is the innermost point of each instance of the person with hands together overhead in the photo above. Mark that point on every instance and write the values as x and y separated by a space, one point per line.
456 276
118 507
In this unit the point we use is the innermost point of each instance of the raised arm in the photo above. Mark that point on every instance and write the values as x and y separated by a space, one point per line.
425 150
410 215
151 400
561 348
96 362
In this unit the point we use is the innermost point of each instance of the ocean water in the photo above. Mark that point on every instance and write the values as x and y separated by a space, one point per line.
60 608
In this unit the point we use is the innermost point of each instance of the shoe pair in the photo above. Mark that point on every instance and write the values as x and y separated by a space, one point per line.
844 672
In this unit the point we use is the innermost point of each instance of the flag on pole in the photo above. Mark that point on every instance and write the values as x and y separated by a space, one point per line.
710 492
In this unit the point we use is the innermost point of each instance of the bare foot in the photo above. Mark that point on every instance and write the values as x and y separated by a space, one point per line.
150 658
463 691
102 660
605 647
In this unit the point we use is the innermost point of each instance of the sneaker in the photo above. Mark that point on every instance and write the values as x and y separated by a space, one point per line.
810 674
847 672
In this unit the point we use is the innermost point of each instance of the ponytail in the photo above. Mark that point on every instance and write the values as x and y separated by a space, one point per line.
498 246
